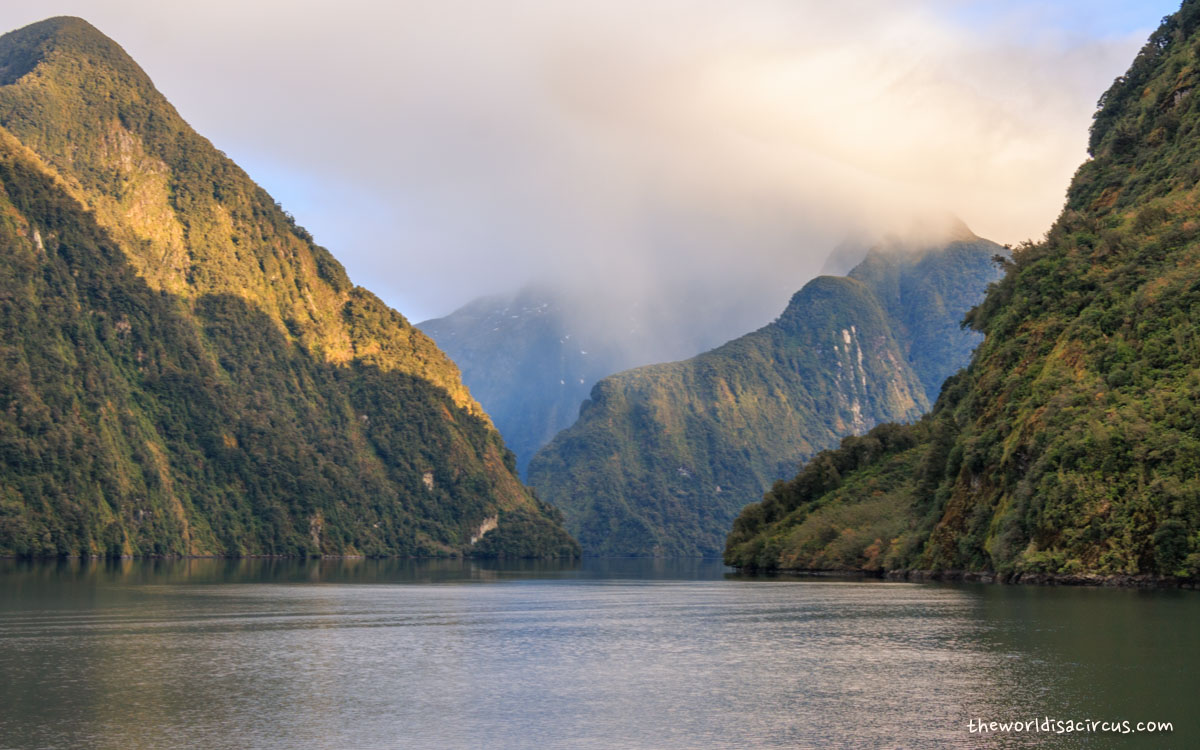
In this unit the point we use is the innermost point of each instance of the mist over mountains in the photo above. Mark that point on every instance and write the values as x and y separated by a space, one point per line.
1067 450
663 456
459 149
532 357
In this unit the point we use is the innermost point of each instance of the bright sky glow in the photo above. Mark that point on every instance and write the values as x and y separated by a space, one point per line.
443 149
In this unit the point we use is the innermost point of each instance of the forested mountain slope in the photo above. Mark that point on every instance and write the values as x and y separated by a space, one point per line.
185 372
1071 444
663 457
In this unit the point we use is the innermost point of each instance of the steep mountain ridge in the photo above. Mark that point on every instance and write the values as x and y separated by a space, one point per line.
663 457
187 373
190 220
1070 445
925 294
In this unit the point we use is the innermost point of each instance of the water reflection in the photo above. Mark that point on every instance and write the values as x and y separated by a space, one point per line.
607 653
271 570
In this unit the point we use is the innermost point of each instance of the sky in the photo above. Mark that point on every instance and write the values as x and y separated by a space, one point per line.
445 149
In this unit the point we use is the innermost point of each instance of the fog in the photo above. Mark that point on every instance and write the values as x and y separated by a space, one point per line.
445 149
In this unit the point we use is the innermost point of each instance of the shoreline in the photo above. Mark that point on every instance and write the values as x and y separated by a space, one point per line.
1123 580
1094 580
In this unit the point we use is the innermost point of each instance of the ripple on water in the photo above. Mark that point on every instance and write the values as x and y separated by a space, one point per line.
635 655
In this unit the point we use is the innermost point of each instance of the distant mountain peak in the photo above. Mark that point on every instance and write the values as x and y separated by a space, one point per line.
847 254
925 231
662 457
917 235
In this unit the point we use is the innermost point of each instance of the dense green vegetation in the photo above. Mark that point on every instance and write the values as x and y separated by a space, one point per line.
926 295
662 458
185 372
1071 444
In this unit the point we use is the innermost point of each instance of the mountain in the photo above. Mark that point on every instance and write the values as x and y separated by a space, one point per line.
528 360
1070 446
663 457
925 291
186 372
533 356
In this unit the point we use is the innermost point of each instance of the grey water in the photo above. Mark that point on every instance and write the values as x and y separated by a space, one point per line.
599 654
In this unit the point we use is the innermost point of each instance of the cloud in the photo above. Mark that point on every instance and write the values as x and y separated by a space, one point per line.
443 149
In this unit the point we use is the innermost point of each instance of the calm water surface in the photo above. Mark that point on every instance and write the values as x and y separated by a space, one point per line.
603 654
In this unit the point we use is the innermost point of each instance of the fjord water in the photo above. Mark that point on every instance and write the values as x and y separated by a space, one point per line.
603 654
